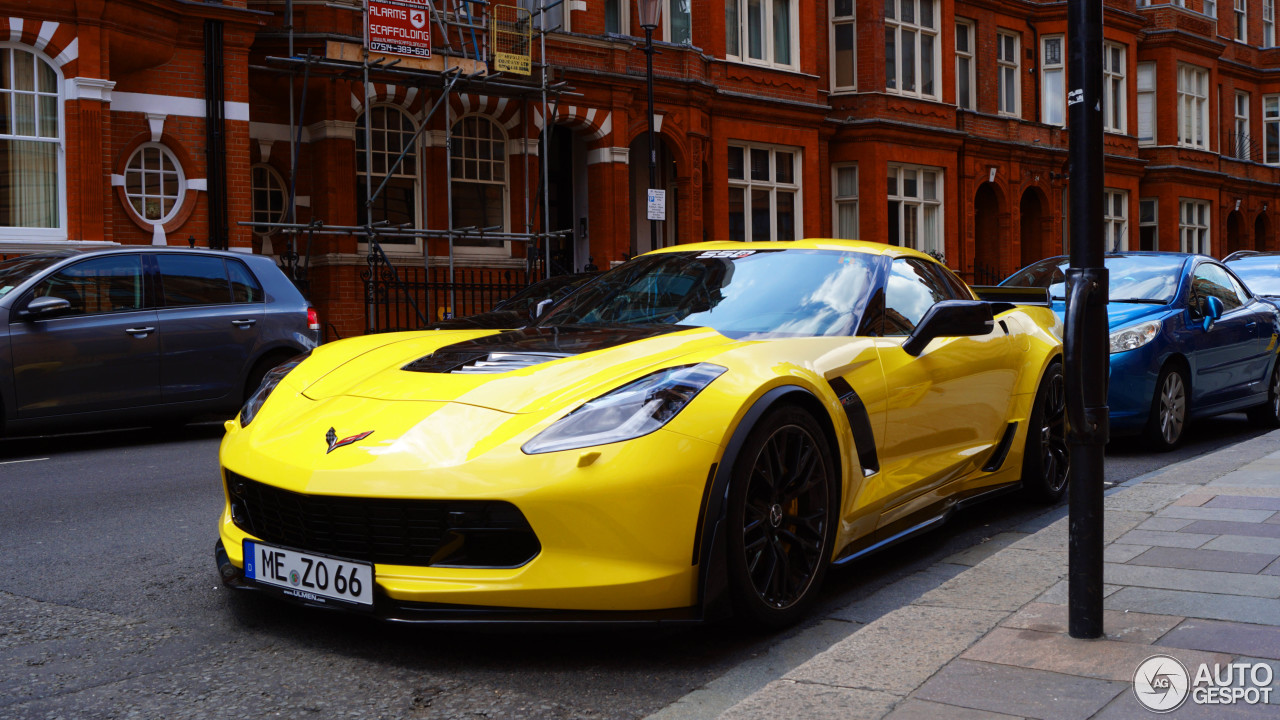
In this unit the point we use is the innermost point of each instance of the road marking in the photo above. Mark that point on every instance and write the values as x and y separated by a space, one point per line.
12 462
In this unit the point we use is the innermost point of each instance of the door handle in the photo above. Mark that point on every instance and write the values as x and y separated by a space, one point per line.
244 323
140 330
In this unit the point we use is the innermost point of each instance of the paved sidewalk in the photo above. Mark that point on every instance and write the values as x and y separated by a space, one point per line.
1192 572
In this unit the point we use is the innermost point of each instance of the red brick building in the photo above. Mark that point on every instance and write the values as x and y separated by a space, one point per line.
937 124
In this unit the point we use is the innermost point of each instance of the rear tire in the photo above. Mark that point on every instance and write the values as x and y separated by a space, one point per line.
783 501
1268 413
1046 462
1168 417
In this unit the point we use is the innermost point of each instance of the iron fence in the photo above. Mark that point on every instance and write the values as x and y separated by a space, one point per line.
393 293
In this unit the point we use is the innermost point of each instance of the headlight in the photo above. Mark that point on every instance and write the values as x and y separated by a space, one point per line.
635 409
1134 336
269 383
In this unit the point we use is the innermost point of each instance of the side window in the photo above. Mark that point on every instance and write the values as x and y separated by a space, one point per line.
105 284
244 286
193 280
913 288
1211 280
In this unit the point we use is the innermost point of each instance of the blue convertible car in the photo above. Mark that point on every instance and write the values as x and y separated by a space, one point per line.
1188 340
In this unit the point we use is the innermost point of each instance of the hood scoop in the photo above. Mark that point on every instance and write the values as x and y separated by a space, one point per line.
480 363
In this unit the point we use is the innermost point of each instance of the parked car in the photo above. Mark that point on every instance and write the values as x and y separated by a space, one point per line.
129 334
1259 270
522 308
703 427
1188 340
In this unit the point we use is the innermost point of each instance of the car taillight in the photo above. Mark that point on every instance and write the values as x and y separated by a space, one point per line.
313 319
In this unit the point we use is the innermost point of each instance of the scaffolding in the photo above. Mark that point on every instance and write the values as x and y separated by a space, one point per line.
469 46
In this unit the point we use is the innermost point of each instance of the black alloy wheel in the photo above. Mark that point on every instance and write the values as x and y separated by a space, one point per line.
1168 416
1268 413
1046 463
782 511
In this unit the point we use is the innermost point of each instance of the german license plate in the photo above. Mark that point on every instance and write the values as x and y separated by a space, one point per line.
307 576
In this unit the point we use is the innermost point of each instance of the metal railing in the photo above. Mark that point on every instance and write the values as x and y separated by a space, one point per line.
1243 146
391 300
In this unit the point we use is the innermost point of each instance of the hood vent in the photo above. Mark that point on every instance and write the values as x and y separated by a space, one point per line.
480 363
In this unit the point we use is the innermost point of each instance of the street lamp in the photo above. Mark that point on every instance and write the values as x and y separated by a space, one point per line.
650 14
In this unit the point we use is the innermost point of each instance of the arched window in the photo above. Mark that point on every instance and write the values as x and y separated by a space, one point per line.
392 131
270 196
31 154
154 184
478 171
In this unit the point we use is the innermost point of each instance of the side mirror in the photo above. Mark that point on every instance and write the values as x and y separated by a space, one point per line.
47 305
1212 311
950 318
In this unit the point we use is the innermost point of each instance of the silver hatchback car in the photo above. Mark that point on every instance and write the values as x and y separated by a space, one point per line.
140 334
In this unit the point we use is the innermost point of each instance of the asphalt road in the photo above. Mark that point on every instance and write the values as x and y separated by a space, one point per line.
110 607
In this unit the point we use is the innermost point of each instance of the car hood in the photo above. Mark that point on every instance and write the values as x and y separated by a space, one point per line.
520 371
1120 315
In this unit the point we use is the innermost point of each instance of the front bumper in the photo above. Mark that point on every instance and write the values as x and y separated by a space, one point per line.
1132 386
617 531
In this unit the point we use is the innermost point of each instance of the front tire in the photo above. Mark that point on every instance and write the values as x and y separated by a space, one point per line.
1168 417
1268 413
782 510
1046 462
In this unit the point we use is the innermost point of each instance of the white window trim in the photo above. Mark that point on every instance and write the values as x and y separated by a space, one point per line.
1240 149
1121 101
1001 66
1058 67
23 234
284 208
935 35
797 168
624 18
971 30
666 22
767 37
1210 7
852 21
1270 120
1268 23
1200 119
505 250
1115 224
837 200
414 247
1148 91
939 243
1240 16
1155 222
1184 227
182 184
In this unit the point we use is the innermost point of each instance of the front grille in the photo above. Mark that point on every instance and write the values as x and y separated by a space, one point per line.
443 533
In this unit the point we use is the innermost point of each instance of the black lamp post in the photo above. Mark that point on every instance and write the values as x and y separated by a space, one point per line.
650 14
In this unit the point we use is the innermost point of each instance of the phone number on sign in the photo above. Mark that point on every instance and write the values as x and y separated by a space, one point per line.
399 49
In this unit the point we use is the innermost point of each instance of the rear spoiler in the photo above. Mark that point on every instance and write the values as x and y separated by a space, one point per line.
1007 295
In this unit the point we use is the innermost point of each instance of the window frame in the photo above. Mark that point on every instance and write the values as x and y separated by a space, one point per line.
667 14
1153 223
61 230
1271 129
1240 148
1145 91
1059 69
970 31
898 27
747 185
271 174
767 35
624 18
1202 231
419 204
1113 224
1115 89
502 143
1193 108
1268 23
838 201
1011 69
178 198
838 21
918 201
1240 14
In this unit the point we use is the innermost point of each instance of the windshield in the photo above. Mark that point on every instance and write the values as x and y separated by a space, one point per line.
15 271
1134 278
1260 272
736 292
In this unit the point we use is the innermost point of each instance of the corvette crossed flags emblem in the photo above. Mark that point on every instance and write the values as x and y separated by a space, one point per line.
334 443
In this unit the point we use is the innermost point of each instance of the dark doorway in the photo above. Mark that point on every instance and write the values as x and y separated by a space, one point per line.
986 236
1031 230
1262 233
1235 232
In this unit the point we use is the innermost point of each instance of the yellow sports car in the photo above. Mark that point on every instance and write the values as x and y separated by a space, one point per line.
703 429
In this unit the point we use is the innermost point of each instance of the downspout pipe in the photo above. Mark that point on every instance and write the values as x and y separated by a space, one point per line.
215 146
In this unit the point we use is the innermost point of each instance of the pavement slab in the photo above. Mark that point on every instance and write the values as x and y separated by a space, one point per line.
1261 641
1145 497
973 555
1192 580
788 699
1057 595
1006 581
1166 539
1059 653
1116 552
1165 524
1127 707
1133 627
898 594
1223 527
914 709
1244 502
1204 512
1241 543
1215 560
1210 606
1019 691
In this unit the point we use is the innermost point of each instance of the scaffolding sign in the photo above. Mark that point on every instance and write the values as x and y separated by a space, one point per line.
512 33
400 27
